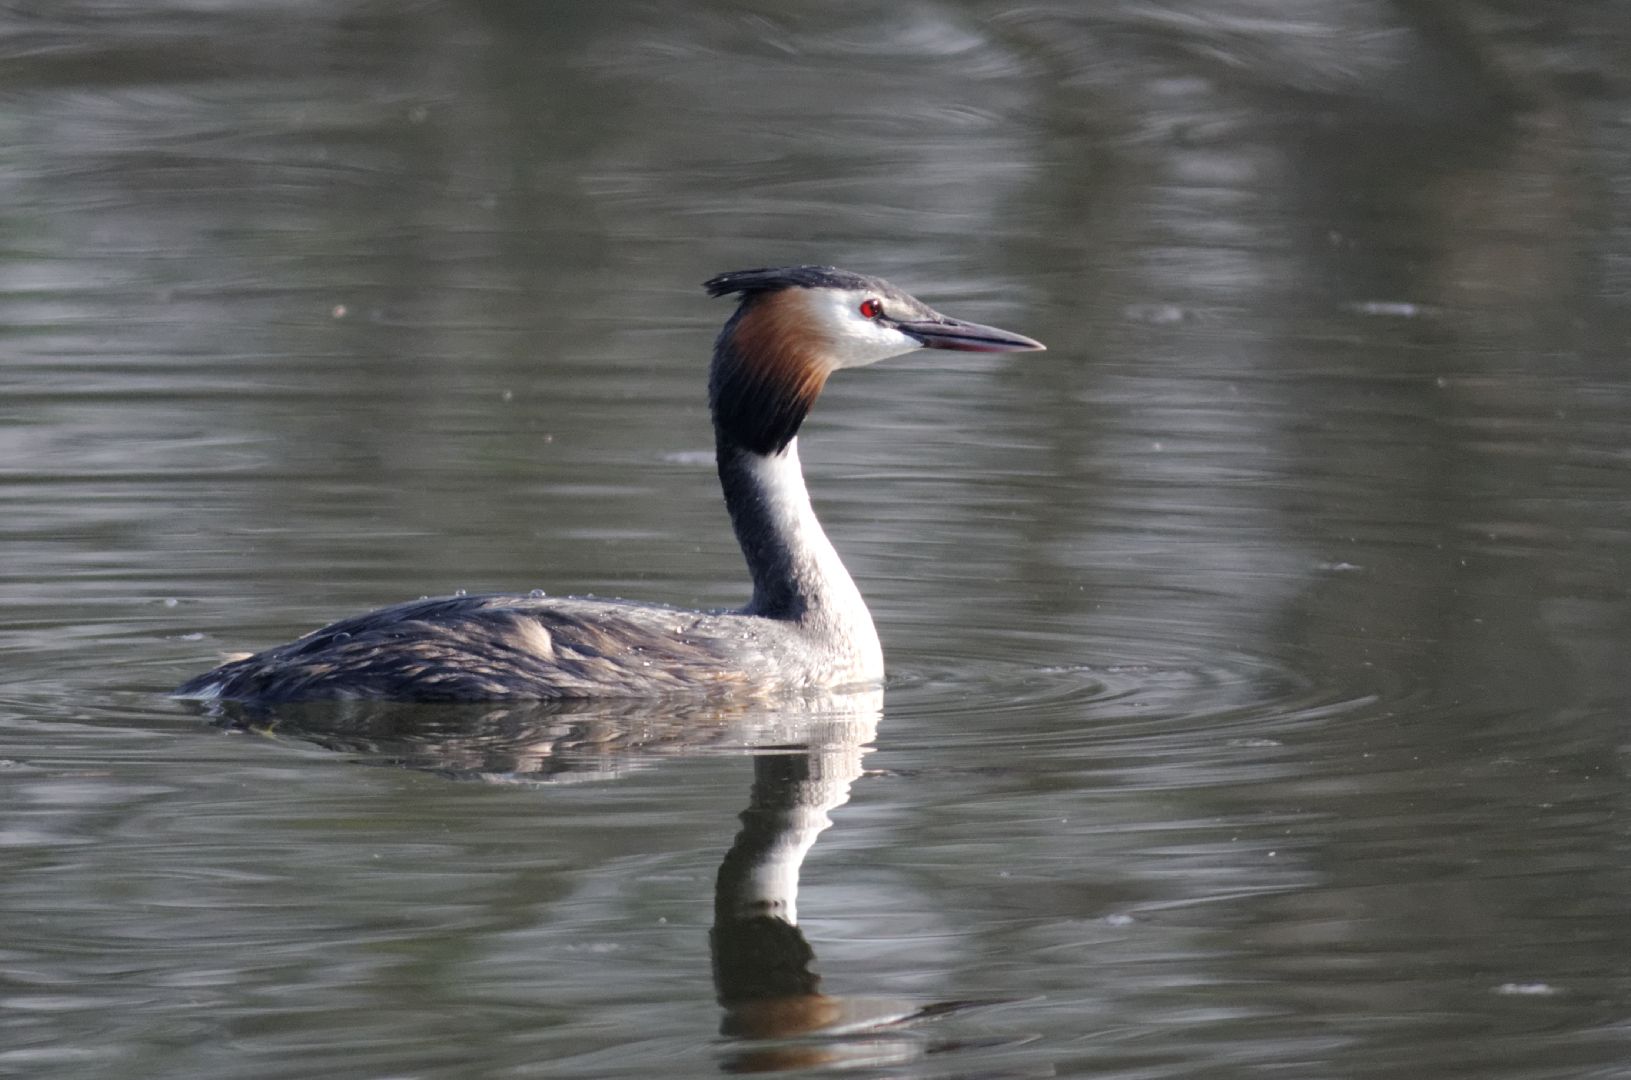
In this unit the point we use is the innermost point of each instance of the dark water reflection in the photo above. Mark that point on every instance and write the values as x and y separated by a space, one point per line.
1258 683
805 756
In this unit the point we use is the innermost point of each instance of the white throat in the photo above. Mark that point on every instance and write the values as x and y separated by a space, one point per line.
797 574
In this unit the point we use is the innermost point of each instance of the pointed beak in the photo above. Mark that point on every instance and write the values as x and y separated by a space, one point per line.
960 336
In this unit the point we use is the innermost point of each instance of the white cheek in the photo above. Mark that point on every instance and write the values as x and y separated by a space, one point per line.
855 340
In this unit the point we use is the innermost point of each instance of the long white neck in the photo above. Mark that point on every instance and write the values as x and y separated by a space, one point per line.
797 575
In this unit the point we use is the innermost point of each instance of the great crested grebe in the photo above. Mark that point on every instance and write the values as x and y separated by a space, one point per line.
806 625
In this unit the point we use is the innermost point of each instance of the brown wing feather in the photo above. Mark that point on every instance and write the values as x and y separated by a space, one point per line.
465 648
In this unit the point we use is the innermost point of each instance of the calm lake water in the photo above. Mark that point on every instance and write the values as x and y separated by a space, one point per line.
1259 682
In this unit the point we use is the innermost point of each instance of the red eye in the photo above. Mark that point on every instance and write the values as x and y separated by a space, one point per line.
871 309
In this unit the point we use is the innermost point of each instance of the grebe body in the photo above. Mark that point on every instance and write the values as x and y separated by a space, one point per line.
806 625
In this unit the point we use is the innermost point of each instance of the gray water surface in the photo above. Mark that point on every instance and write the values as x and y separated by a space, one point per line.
1258 684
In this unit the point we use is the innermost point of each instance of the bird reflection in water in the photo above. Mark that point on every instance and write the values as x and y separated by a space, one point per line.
806 753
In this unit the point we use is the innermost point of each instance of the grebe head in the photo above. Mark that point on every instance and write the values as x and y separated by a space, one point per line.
796 325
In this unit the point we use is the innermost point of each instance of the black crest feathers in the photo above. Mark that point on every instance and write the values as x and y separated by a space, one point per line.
775 278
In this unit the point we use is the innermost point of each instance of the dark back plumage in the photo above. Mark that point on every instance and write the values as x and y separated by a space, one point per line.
480 647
